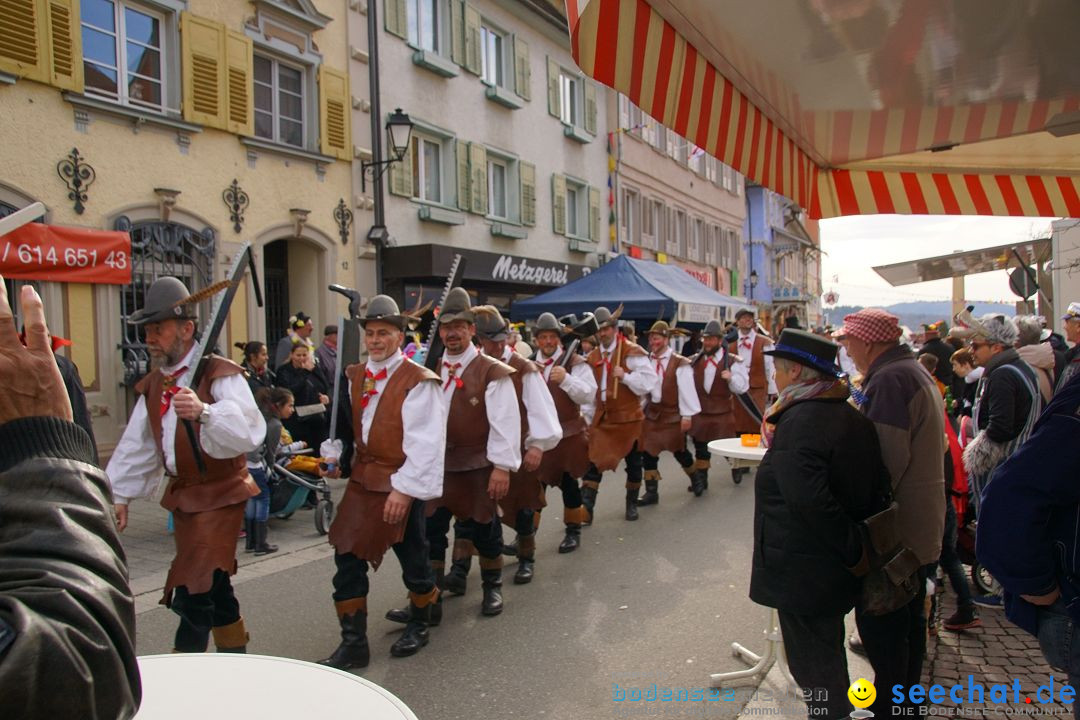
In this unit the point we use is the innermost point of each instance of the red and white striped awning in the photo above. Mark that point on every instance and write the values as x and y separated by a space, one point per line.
856 106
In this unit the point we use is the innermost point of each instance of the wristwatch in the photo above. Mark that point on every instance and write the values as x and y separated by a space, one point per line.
204 416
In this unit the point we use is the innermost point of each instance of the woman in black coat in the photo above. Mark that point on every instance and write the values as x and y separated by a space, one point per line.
307 389
822 474
257 365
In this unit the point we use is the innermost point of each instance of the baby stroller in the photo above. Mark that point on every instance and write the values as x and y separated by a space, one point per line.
960 496
292 477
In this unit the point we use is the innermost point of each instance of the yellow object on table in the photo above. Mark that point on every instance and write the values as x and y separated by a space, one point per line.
305 464
749 440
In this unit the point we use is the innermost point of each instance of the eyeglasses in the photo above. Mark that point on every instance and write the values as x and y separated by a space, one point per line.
975 344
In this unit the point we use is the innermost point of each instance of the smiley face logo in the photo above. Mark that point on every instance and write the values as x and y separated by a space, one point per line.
861 693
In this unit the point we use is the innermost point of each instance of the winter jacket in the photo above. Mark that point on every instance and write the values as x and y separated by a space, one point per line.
1041 359
1029 522
822 474
67 617
79 411
1005 401
257 380
909 414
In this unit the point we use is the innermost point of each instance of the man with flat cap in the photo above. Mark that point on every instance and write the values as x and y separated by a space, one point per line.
396 465
540 432
669 409
208 507
718 378
573 388
750 347
623 377
483 446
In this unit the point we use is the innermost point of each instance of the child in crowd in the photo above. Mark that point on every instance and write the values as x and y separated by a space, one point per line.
276 405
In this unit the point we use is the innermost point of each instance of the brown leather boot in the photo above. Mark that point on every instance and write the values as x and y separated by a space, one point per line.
652 485
232 638
353 651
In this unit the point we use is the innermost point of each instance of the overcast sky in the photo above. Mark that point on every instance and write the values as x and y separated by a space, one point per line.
854 245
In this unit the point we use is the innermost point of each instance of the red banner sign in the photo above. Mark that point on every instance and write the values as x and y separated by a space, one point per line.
64 254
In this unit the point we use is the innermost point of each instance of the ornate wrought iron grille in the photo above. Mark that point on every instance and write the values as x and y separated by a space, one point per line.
157 249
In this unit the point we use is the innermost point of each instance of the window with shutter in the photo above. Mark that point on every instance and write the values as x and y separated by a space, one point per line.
473 59
528 194
396 19
590 107
558 204
478 188
461 153
457 31
334 113
240 57
23 40
522 71
554 91
123 56
401 173
203 72
66 40
594 214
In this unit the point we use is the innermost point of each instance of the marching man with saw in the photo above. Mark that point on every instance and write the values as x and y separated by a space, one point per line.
669 409
399 438
623 376
719 377
208 483
572 387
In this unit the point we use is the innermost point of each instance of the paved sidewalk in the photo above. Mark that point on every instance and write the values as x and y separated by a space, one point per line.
150 549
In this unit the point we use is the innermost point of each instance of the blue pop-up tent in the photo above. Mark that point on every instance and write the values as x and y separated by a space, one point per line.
647 290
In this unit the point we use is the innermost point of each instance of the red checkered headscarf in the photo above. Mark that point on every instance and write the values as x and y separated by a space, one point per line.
872 326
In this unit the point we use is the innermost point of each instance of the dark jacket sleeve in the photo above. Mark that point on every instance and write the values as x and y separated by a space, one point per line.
1004 419
67 617
79 411
801 459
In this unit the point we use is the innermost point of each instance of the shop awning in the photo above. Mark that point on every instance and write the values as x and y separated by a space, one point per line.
647 290
968 262
914 107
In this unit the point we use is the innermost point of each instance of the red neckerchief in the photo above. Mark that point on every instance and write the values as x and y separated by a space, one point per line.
369 385
170 388
452 376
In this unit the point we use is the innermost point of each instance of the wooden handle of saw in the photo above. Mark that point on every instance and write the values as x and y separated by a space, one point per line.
618 363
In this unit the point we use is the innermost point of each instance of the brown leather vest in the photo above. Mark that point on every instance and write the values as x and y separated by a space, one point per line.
667 410
187 472
627 406
522 367
569 412
383 454
758 380
467 423
718 400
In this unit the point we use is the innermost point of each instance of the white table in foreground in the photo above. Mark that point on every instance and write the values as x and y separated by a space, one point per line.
736 453
740 455
224 685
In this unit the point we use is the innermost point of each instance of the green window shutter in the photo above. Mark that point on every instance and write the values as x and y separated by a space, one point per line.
590 107
528 194
594 214
457 31
558 203
522 71
397 19
553 88
472 39
401 175
462 152
478 190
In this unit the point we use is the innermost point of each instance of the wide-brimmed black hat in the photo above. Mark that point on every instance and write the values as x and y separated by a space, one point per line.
167 299
807 349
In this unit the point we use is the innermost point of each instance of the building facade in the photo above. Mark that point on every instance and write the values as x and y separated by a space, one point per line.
507 160
195 126
784 260
674 202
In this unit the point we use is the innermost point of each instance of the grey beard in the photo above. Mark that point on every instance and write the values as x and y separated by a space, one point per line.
168 358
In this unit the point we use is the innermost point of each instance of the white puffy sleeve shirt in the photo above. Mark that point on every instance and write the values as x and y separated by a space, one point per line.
504 437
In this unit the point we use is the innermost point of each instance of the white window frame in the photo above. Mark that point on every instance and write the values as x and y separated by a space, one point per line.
275 114
695 239
675 242
577 223
503 63
419 170
630 222
166 53
441 32
727 180
512 186
571 98
712 245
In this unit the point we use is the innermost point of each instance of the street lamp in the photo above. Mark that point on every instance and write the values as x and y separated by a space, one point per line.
753 281
399 133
